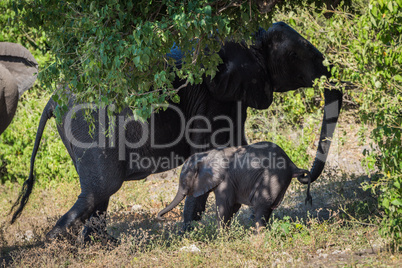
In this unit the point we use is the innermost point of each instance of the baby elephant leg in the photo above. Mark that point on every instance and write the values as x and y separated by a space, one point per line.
225 212
262 214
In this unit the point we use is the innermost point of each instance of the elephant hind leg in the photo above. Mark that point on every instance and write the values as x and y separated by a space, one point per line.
235 208
225 212
262 215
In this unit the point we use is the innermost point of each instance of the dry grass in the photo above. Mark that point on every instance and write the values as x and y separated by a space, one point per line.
340 229
321 239
145 242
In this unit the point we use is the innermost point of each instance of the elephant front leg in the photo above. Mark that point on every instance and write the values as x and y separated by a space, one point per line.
193 208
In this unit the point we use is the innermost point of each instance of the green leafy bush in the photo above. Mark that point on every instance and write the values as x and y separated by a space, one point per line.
13 30
16 143
382 106
366 49
115 51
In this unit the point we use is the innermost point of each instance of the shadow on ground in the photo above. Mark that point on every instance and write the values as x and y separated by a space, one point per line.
344 196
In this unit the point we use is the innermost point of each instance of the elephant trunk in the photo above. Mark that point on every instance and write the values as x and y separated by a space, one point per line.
333 103
179 197
304 177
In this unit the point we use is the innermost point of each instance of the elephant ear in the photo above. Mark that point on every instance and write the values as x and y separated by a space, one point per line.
20 63
8 98
209 176
242 76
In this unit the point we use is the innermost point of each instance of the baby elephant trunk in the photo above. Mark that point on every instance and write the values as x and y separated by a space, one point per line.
304 177
179 197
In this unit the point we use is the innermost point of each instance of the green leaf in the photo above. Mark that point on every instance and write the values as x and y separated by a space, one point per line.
374 10
208 10
145 59
117 62
398 77
397 202
137 60
292 22
390 6
385 203
175 98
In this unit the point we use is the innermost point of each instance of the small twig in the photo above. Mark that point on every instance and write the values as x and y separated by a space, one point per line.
157 90
197 51
156 13
344 84
355 220
363 223
348 101
250 11
233 4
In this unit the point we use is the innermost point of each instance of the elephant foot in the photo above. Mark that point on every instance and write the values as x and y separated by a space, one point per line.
97 234
187 227
70 234
55 233
259 228
87 236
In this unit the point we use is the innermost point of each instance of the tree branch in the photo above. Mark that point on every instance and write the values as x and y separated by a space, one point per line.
160 89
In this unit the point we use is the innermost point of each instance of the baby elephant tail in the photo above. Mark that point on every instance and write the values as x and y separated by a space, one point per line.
304 177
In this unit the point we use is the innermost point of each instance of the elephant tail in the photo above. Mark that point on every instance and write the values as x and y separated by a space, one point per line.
179 197
28 184
304 177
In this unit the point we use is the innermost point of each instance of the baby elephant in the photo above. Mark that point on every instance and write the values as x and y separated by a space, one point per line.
257 175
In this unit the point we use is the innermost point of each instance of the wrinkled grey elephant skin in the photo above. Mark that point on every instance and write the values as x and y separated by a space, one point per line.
256 175
280 60
18 72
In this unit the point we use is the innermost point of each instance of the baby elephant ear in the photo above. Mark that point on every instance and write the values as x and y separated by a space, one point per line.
208 178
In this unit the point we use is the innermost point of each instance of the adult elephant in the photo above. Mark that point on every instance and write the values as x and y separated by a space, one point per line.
210 114
18 72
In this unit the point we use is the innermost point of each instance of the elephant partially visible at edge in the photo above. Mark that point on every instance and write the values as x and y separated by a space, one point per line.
256 175
279 60
18 72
